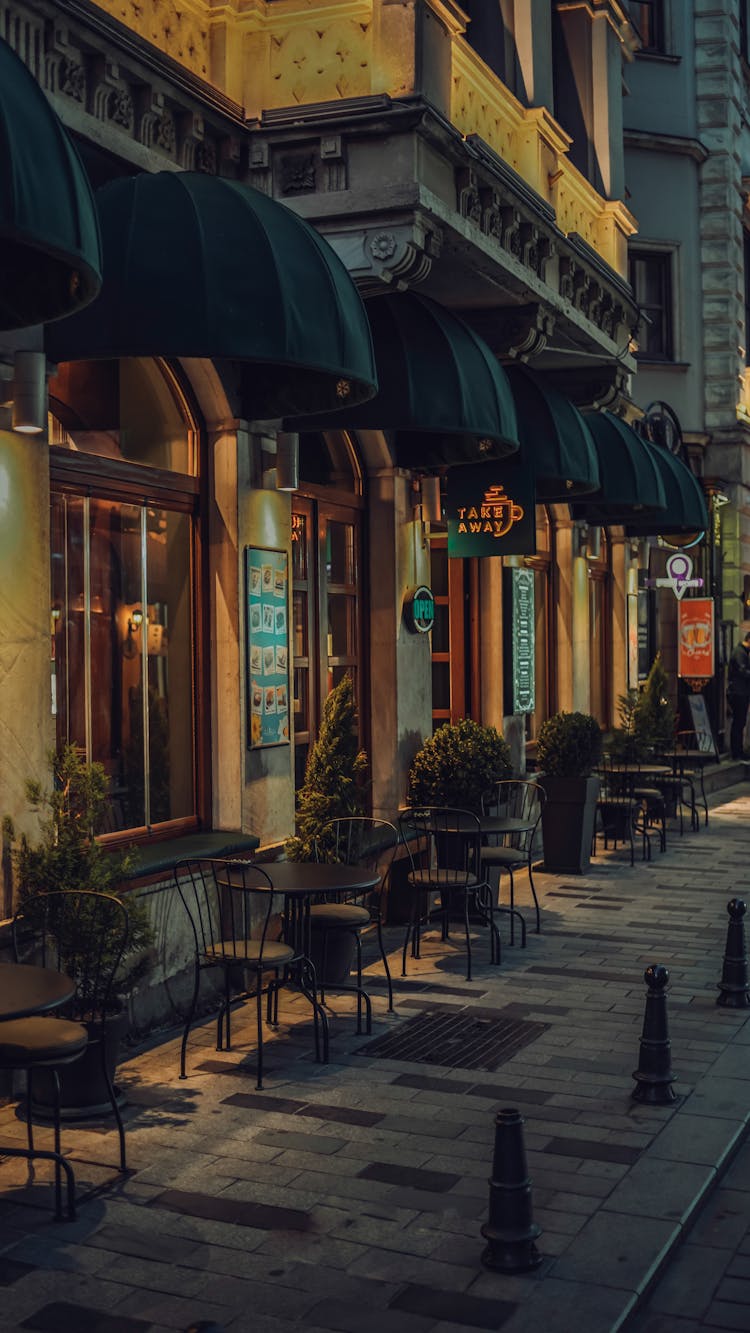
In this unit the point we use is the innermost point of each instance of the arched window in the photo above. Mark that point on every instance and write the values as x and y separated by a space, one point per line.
124 461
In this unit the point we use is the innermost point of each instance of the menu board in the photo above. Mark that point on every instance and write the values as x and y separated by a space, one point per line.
267 609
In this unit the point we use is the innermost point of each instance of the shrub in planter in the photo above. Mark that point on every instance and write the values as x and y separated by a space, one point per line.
335 776
68 858
457 765
568 749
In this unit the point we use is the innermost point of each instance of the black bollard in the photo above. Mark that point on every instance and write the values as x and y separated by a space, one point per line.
654 1077
734 987
511 1229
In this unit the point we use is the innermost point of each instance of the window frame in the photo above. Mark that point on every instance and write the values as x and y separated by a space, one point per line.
90 476
664 255
658 22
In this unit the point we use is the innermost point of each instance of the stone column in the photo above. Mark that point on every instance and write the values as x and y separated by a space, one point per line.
719 99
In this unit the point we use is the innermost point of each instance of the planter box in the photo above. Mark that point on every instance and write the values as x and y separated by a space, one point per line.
568 823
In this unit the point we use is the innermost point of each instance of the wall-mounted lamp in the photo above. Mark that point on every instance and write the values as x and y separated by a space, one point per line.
287 461
135 620
429 490
26 393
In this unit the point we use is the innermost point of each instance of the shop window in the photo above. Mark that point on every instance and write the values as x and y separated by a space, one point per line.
648 19
455 634
651 280
326 584
124 552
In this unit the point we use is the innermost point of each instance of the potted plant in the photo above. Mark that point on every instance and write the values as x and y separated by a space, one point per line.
67 856
655 716
334 787
568 748
457 765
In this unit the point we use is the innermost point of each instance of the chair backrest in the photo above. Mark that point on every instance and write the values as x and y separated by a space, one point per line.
79 932
517 798
229 904
359 840
443 837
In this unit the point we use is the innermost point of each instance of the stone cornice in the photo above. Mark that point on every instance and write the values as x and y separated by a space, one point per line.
653 142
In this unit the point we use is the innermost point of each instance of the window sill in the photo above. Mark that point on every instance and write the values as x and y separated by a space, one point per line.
659 57
154 859
655 363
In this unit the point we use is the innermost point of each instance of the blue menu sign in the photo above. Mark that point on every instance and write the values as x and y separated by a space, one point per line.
267 611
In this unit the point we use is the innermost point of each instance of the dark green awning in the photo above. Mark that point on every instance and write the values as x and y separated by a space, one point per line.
442 392
555 440
198 266
630 478
50 259
686 503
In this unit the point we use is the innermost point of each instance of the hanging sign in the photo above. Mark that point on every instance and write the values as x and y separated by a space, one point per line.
679 575
696 638
419 610
489 508
519 671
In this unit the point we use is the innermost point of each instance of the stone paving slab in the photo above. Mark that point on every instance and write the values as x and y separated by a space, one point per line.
350 1196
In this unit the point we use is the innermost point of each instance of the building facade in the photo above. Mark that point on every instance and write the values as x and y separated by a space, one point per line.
472 155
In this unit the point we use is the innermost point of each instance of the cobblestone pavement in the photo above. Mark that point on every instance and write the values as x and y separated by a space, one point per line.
350 1196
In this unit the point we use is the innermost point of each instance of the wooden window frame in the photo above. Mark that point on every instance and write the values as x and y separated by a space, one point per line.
664 259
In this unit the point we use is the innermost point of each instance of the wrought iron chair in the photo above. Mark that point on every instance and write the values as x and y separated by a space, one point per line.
518 804
678 787
83 934
445 850
230 905
355 841
691 772
620 812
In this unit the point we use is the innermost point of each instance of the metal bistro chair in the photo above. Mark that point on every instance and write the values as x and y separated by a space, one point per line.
702 741
355 841
229 905
517 807
678 787
445 847
83 934
620 811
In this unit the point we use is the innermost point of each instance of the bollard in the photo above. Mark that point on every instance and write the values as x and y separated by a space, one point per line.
734 988
654 1075
510 1230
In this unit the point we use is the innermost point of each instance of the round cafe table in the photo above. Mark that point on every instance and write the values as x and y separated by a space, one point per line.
26 990
300 882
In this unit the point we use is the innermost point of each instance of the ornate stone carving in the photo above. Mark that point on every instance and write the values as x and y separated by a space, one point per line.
165 135
205 157
510 236
71 79
297 173
382 245
120 108
469 202
322 62
492 224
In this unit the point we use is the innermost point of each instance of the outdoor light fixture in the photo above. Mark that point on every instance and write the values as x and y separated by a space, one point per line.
135 620
287 461
26 393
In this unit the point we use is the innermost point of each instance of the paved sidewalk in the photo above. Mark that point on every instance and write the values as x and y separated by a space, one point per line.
350 1196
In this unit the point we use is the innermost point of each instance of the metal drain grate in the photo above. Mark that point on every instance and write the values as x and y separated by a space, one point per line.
457 1041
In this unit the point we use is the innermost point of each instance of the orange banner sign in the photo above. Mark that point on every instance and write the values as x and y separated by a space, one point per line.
696 650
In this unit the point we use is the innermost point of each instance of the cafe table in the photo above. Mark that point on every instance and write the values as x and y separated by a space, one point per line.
301 882
26 991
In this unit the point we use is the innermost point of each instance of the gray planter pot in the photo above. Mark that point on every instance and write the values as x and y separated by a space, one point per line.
568 823
83 1087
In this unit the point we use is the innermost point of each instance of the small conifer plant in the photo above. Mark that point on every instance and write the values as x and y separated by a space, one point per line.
335 776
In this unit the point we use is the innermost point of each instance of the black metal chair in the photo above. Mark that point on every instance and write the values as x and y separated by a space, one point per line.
518 804
620 812
355 841
84 935
230 906
678 786
445 850
690 771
